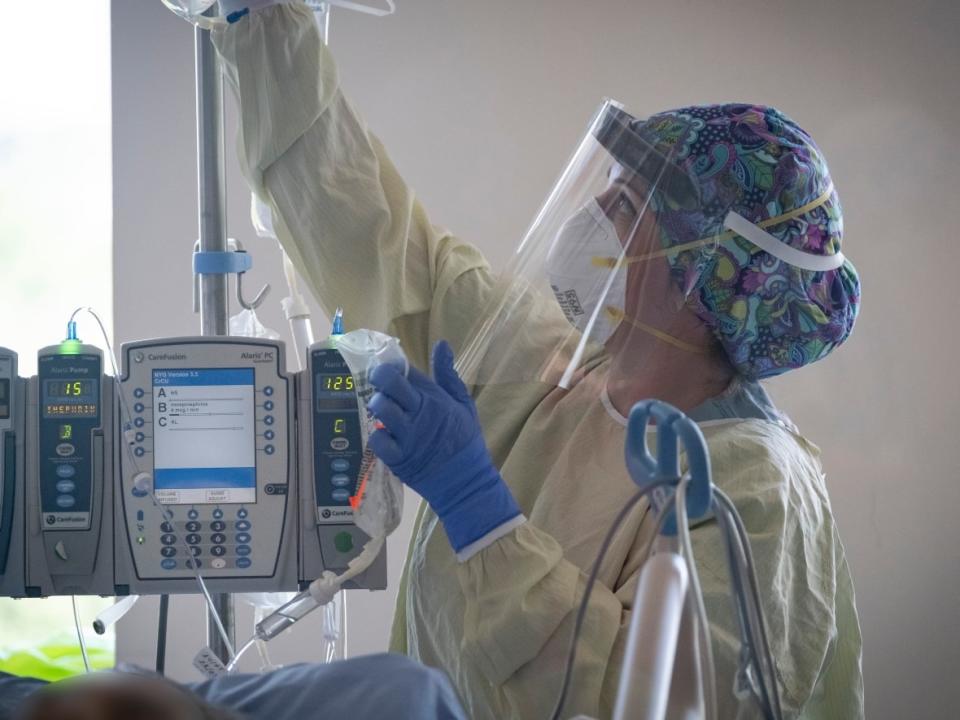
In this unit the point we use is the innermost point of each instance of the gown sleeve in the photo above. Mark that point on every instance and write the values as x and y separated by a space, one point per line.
351 225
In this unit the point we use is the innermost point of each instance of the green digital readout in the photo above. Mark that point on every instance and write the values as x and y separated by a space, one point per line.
71 398
335 391
337 382
70 389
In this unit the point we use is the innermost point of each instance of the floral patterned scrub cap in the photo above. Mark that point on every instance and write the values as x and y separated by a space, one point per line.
755 165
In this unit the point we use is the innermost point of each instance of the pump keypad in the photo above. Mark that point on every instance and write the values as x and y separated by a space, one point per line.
226 542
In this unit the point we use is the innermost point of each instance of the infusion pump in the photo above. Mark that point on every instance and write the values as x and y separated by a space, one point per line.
210 435
204 456
12 539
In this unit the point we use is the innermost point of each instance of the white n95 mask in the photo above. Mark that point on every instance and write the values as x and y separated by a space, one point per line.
583 288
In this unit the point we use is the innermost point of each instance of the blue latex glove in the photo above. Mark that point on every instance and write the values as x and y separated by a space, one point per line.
432 441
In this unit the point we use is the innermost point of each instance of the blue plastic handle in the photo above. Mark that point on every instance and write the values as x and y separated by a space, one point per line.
673 428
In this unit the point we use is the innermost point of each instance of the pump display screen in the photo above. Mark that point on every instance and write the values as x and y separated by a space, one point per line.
70 398
4 399
335 391
204 425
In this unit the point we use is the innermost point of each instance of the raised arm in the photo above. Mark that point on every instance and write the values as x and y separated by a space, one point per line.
347 219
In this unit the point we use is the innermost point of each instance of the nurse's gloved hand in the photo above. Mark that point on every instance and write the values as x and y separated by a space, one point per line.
432 441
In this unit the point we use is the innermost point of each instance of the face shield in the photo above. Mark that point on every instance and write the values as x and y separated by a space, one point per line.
591 276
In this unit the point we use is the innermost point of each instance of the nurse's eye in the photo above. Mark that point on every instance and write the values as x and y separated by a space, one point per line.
624 207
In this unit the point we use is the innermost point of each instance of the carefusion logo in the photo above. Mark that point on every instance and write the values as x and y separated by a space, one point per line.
65 520
336 515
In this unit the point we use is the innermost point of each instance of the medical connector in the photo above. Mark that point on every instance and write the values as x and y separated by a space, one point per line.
321 592
337 328
71 343
113 613
286 615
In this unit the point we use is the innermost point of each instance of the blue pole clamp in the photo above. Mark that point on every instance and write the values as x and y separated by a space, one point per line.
673 428
221 263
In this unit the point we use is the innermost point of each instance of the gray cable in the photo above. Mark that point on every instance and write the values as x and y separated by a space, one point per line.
592 579
734 551
759 645
83 643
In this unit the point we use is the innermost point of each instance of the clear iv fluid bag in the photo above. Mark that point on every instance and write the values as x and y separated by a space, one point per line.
193 11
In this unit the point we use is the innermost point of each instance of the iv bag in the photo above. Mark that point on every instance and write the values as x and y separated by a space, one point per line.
193 11
379 496
246 324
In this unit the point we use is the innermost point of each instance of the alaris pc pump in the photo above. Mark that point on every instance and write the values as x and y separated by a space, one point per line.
207 479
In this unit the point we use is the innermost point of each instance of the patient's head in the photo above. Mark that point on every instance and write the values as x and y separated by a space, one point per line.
118 696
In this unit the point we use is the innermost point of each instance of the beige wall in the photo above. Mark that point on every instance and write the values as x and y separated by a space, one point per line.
481 103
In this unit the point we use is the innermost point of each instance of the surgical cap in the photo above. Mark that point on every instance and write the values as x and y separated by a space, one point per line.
768 315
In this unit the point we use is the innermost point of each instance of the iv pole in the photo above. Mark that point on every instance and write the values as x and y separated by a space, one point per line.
211 198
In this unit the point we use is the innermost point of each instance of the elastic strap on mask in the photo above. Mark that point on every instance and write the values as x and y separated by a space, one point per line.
756 234
618 315
790 255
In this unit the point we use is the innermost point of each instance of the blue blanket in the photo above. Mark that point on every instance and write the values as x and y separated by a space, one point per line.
374 687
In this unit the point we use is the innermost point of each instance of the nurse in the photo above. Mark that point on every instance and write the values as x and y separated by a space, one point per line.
684 257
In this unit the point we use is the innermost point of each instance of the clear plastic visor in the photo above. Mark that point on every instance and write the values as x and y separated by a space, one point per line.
591 271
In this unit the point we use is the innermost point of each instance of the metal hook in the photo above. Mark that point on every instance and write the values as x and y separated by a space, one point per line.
258 300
